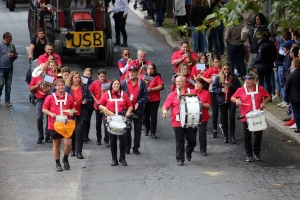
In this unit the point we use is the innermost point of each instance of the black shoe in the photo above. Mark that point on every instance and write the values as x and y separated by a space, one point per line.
127 151
98 141
123 162
189 157
73 153
233 141
107 144
124 44
204 153
157 25
146 133
215 134
79 155
88 139
114 163
40 140
287 119
297 131
66 164
136 152
226 139
48 140
153 136
84 140
180 163
249 159
117 43
147 17
58 167
257 157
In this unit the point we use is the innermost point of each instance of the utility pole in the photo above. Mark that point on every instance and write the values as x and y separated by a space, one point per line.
170 5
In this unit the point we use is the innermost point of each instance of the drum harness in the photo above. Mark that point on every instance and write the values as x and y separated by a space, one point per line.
61 117
252 96
115 100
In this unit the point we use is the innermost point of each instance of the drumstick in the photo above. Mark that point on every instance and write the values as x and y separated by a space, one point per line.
245 104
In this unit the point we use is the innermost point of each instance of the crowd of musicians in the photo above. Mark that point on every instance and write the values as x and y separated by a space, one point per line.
137 93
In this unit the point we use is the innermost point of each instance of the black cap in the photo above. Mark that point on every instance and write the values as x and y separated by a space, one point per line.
133 68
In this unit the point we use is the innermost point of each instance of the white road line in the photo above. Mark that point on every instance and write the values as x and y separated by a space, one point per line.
142 46
27 49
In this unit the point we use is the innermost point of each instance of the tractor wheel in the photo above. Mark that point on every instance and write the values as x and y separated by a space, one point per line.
107 29
101 53
109 52
6 2
58 48
49 29
12 5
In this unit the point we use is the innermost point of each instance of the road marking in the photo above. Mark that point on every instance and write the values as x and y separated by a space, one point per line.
142 46
214 174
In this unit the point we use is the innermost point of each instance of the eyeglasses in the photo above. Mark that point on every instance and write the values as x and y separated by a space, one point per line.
225 68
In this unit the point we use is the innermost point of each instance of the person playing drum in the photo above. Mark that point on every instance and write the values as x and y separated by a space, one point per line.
52 109
181 134
105 104
243 99
204 97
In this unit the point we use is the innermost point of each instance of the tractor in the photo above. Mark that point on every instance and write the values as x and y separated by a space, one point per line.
85 30
11 4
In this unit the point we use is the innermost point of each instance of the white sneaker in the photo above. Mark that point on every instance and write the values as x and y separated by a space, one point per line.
279 104
283 105
293 127
275 97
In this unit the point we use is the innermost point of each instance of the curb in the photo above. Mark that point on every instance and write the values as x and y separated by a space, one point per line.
271 119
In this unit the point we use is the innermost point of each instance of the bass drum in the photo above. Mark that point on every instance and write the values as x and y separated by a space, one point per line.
190 111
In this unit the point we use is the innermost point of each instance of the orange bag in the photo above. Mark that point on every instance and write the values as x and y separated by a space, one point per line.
65 129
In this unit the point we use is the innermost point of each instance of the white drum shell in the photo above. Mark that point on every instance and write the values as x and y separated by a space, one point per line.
190 111
116 125
256 120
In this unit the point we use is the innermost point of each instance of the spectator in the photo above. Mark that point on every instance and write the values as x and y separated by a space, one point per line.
180 12
217 32
157 8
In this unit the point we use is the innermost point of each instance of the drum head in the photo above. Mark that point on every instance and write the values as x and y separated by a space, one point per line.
66 130
117 125
256 113
182 112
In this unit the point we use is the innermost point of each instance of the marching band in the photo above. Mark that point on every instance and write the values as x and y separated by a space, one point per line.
133 100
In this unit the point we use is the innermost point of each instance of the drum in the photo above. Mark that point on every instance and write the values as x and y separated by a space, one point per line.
256 120
116 125
65 128
190 111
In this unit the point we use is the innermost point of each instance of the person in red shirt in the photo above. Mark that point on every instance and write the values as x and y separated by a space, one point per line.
40 90
81 96
173 102
209 76
51 109
49 55
138 94
96 90
198 73
185 72
224 94
240 98
105 104
154 85
182 55
123 63
139 62
204 97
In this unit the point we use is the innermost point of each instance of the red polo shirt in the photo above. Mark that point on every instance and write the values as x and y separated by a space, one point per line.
44 58
133 90
135 63
196 72
186 85
157 80
241 94
77 96
179 54
50 105
211 72
39 93
173 101
110 105
204 97
95 88
121 65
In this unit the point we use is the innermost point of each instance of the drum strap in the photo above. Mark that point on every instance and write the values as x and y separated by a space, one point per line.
252 95
60 101
109 95
178 93
115 100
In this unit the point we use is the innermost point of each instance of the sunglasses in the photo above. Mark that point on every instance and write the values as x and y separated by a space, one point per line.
225 68
127 54
248 78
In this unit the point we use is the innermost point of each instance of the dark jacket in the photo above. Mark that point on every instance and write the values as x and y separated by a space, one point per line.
292 87
279 60
286 67
253 38
84 107
157 4
266 55
143 94
217 88
90 104
198 13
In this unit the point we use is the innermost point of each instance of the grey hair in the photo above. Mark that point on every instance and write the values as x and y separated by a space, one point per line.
141 51
181 77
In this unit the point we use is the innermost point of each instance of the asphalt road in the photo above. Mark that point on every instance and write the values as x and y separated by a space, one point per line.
27 169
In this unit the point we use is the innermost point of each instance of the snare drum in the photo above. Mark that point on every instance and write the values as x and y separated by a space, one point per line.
190 111
256 120
116 125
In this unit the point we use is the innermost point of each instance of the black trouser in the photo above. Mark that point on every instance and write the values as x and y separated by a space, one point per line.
265 74
150 117
87 124
99 118
248 143
215 110
181 134
120 23
202 136
181 22
114 148
224 119
39 119
137 132
77 137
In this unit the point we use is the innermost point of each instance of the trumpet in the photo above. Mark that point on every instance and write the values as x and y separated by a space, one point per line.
208 55
188 60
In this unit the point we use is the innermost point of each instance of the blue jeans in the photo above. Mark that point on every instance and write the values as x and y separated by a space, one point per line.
280 77
277 85
6 79
159 16
214 38
296 111
198 36
236 55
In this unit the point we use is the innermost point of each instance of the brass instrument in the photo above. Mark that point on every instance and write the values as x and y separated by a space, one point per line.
208 55
57 71
188 60
39 72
